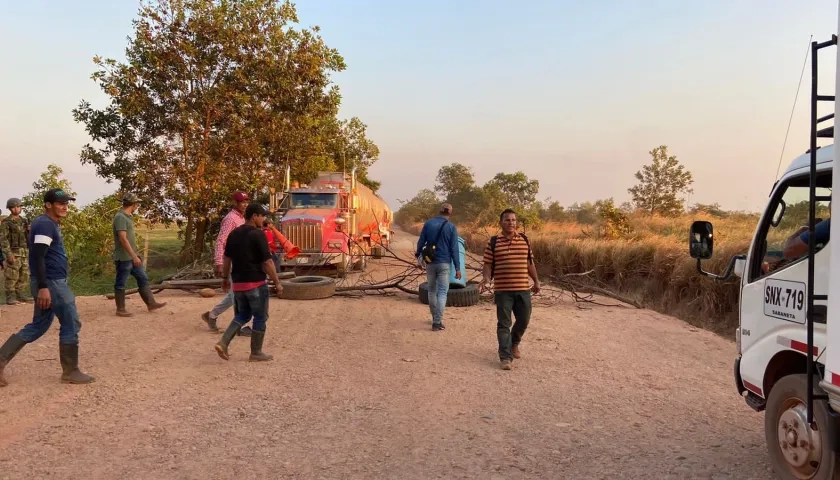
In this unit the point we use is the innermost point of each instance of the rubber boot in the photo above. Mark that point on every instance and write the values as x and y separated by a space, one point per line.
149 298
211 322
230 332
8 352
257 354
69 356
119 299
10 298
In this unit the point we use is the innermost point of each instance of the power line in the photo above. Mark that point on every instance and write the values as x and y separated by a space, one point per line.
804 63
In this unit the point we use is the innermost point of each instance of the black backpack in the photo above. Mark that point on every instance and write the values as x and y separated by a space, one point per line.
429 249
493 250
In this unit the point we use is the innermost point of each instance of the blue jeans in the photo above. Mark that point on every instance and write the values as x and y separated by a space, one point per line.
126 268
227 302
437 276
253 303
62 305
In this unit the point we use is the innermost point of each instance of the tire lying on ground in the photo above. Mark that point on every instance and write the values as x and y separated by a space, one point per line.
456 297
309 287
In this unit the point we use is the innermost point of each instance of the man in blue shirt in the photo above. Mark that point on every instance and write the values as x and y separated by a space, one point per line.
48 283
440 233
797 245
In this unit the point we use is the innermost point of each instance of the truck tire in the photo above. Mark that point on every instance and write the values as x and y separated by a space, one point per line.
456 297
785 421
376 252
310 287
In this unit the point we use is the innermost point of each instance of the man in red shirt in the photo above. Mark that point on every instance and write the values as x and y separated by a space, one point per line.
233 219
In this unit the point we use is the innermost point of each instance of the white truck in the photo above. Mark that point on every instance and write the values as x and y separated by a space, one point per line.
788 340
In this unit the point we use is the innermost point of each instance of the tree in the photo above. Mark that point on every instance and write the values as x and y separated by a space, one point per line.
33 203
614 222
354 149
518 191
660 184
214 97
454 178
418 209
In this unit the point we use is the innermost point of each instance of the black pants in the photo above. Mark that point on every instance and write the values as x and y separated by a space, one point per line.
519 304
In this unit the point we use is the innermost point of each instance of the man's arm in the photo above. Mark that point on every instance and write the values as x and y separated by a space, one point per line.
532 272
224 230
226 274
485 270
797 244
268 263
122 233
5 244
41 241
422 240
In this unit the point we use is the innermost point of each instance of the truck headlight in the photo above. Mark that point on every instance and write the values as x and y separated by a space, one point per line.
738 339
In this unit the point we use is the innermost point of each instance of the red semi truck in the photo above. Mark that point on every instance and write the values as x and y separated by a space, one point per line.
336 221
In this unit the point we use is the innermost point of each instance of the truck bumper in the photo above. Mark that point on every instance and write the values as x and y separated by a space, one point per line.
309 259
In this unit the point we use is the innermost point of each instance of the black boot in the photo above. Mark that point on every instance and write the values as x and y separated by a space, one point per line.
8 352
230 332
119 299
257 354
69 356
149 298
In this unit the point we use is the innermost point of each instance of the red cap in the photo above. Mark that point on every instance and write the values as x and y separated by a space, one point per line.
240 196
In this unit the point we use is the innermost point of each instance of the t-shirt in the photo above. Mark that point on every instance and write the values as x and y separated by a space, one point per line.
247 249
123 222
822 231
45 231
511 271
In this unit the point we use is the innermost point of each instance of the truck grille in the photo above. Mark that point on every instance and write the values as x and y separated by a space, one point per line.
307 236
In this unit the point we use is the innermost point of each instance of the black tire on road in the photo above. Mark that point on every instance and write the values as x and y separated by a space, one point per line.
310 287
789 395
456 297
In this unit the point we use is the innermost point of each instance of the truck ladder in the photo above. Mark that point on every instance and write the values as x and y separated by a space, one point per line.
827 132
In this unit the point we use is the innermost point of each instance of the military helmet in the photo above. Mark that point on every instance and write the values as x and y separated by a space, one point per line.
13 202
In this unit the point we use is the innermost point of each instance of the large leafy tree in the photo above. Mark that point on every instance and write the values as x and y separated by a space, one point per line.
517 190
453 179
214 96
661 183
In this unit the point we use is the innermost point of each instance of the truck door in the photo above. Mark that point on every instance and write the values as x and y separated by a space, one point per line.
773 296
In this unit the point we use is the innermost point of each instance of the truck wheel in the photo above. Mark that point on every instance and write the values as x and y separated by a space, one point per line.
796 450
377 252
310 287
456 297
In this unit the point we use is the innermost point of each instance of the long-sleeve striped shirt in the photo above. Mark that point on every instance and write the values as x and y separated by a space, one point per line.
232 220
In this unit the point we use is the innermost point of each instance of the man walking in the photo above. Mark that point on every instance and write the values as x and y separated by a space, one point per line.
509 263
246 264
235 218
126 260
13 232
437 247
48 269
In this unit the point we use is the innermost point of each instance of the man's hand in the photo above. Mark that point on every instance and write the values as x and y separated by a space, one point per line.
44 299
225 285
11 259
218 271
279 292
535 288
137 261
482 286
458 274
420 264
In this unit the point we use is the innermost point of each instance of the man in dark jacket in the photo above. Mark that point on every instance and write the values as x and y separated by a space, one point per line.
441 234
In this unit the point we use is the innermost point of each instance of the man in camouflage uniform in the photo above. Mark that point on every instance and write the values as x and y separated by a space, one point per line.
13 232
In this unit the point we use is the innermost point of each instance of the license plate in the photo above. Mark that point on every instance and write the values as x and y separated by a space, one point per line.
785 300
303 259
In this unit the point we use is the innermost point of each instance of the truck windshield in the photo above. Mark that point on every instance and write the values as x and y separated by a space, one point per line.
314 200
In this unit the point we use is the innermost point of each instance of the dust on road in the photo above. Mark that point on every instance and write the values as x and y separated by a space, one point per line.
362 389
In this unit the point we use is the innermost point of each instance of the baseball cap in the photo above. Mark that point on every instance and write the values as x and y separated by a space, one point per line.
255 209
240 196
57 195
130 199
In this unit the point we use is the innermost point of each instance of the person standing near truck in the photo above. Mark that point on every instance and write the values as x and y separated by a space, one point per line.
437 248
247 263
127 261
13 232
48 271
508 262
235 218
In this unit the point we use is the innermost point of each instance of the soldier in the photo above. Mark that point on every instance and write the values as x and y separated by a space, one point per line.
15 229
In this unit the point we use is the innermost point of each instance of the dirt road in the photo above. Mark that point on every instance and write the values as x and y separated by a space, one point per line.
363 389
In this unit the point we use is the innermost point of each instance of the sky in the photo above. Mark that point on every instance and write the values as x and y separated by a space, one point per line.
574 94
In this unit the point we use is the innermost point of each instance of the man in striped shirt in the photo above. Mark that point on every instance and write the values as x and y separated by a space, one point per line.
509 263
234 218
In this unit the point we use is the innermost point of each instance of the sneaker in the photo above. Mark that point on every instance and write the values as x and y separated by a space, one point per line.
437 327
516 353
506 364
